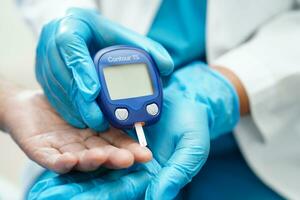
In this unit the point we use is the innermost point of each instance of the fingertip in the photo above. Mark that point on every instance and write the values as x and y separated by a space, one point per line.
126 160
97 157
65 163
101 126
73 120
90 160
162 58
121 159
167 66
145 155
141 154
92 115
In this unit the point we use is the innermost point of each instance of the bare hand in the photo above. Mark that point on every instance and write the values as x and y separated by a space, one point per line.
52 143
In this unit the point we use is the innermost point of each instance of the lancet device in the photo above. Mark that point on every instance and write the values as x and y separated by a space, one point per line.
131 91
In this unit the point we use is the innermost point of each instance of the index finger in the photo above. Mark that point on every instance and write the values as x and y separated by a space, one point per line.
107 33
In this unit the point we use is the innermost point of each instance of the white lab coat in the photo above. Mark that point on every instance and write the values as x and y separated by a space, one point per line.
260 42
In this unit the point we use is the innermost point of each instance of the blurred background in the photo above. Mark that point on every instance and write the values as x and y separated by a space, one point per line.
16 64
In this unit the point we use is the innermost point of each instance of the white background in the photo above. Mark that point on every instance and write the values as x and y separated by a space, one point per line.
17 48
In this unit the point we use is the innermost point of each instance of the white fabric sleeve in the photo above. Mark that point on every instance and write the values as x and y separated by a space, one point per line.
39 12
269 67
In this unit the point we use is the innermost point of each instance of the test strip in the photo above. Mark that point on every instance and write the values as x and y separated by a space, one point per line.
140 134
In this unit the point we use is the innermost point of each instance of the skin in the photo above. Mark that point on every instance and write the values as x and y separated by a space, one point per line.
48 140
238 85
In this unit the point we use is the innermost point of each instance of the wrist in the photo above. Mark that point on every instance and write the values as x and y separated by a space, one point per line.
8 92
205 86
239 88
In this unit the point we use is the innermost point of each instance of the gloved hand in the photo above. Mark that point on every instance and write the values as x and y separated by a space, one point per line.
64 66
199 104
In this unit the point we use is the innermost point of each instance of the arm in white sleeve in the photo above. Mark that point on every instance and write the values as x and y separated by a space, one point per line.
269 67
39 12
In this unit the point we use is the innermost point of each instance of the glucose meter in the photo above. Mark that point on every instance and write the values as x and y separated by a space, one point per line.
131 92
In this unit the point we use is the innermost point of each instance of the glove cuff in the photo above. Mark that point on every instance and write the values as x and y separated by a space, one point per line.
223 124
207 87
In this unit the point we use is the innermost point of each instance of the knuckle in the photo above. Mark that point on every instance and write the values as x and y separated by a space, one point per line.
63 37
65 31
46 28
71 29
154 45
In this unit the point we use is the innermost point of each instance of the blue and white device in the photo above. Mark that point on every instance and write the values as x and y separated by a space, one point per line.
131 90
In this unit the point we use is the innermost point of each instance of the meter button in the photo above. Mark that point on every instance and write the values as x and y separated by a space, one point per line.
152 109
121 114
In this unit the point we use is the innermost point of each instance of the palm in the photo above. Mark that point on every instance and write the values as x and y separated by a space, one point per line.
54 144
180 145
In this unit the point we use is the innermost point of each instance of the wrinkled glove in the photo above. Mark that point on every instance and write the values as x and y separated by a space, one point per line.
199 104
64 66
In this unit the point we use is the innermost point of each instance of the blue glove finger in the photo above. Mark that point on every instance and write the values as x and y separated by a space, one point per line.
58 91
129 187
52 182
107 33
56 102
56 95
91 113
67 191
120 35
190 153
50 86
71 43
72 37
72 184
63 76
47 51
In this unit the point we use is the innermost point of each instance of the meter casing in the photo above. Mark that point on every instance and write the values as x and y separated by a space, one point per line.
136 106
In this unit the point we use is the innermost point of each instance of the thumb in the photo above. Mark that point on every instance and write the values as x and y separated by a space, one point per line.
189 156
107 33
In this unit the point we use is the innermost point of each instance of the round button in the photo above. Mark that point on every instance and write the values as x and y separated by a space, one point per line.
121 114
152 109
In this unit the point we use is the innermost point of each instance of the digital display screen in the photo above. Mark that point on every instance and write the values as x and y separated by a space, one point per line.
128 81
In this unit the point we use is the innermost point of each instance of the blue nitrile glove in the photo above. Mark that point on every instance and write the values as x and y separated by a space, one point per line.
102 184
65 69
199 104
